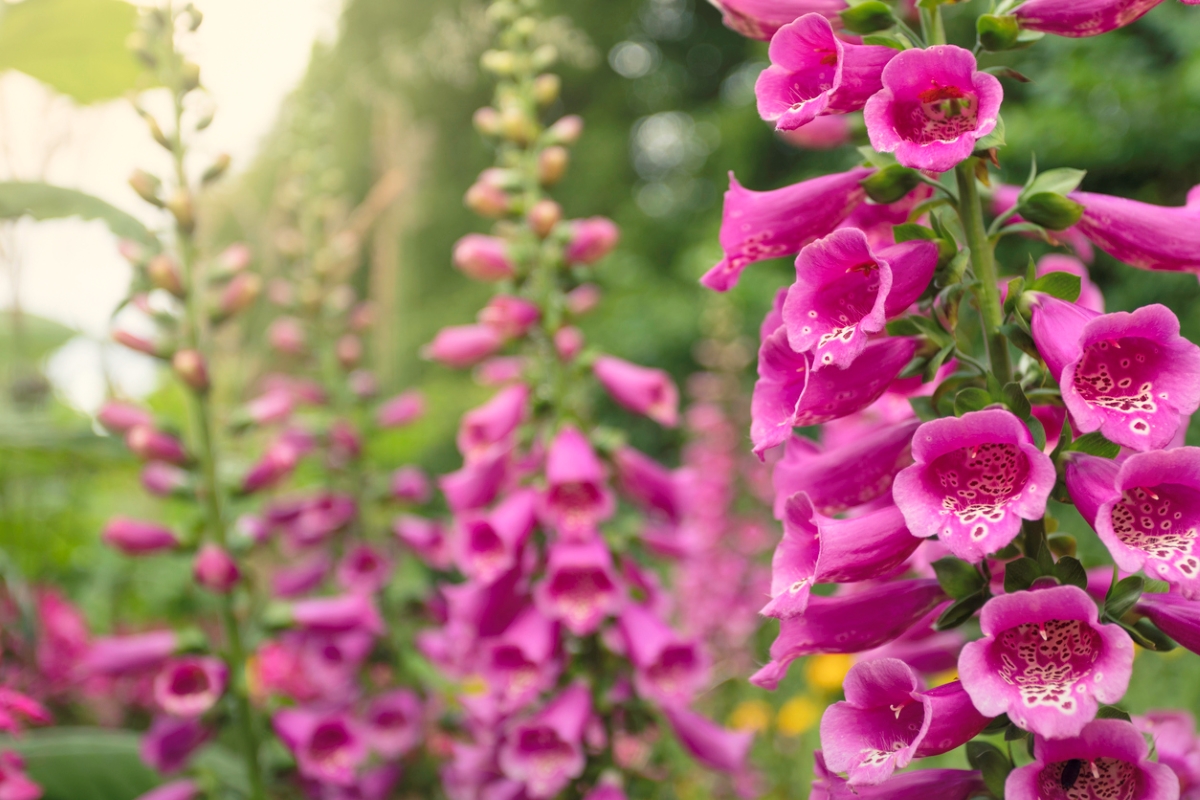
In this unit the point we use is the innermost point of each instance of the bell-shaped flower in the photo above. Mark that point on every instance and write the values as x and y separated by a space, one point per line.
844 291
1173 732
1078 19
1046 661
1130 376
933 108
337 614
789 393
1146 510
122 417
759 225
461 346
329 746
839 479
650 485
149 444
1108 758
821 549
922 647
393 723
545 752
760 19
591 240
17 710
580 588
522 662
330 662
1143 235
1175 615
403 409
122 655
921 784
511 317
364 569
426 537
640 389
488 546
215 569
849 623
190 686
669 669
576 499
135 537
813 72
713 746
974 478
888 719
483 258
477 483
170 743
410 485
301 576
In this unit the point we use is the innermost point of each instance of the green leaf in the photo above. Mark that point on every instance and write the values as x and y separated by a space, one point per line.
994 765
1020 574
1057 181
910 231
1123 596
1096 445
1015 399
1112 712
935 363
958 578
893 40
998 724
1062 285
1017 335
876 159
1013 294
971 399
43 201
1159 641
914 325
76 47
923 408
1037 431
993 139
960 611
1070 571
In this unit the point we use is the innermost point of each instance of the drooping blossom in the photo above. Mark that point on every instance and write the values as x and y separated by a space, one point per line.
14 783
759 225
301 576
461 346
426 537
122 417
713 746
150 444
760 19
1078 19
1107 758
823 133
489 545
170 743
545 752
845 291
411 485
813 73
189 686
577 498
403 409
163 479
483 258
393 723
215 569
337 614
121 655
521 663
329 747
1130 376
1143 235
921 784
974 479
669 669
591 240
640 389
492 424
581 587
364 569
650 485
477 483
1173 732
511 317
135 537
933 108
1175 615
1046 661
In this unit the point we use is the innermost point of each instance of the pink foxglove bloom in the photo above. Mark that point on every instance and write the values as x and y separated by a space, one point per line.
522 662
493 423
583 298
134 537
823 133
364 569
606 791
845 291
393 723
640 389
403 409
669 669
483 258
170 743
490 545
191 685
591 240
1146 510
878 220
329 747
1130 376
1082 17
214 569
461 346
185 789
545 752
338 614
887 720
121 417
1174 735
789 393
164 480
122 655
581 588
1143 235
921 784
14 783
650 485
511 317
426 537
820 549
1046 661
760 19
813 73
300 577
1109 758
411 485
1175 615
933 108
576 498
477 483
974 479
759 225
713 746
149 444
16 710
568 342
879 615
287 335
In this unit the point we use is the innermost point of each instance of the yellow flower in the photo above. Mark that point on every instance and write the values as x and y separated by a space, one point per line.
751 715
827 672
798 715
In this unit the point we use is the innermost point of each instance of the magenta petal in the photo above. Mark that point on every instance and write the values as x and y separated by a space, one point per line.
922 784
1175 615
1091 482
715 747
1081 17
1056 327
953 719
1140 234
760 19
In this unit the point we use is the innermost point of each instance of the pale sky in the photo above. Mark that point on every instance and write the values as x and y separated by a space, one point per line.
251 53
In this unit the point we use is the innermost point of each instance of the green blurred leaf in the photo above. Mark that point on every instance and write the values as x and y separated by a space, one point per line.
1096 445
1062 285
958 578
972 399
43 201
1123 596
38 336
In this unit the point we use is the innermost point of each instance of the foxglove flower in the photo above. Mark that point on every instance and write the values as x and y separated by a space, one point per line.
710 744
185 789
522 662
1046 661
16 710
163 480
545 752
650 485
591 240
1130 376
493 422
1174 735
14 783
1146 510
849 623
300 577
411 485
364 569
404 408
337 614
922 784
393 723
489 545
974 479
483 258
887 720
1108 758
328 747
823 133
214 569
640 389
123 417
477 483
511 317
1175 615
580 588
844 292
669 669
122 655
759 225
426 537
170 743
933 108
576 498
461 346
789 393
813 73
190 686
760 19
149 444
1078 19
1143 235
820 549
134 537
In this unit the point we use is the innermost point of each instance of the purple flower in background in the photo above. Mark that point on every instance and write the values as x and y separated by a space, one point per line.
642 390
121 655
1107 759
214 569
186 789
580 588
1175 615
411 485
576 498
489 546
974 479
426 537
329 747
300 577
922 784
149 444
760 19
1046 661
545 752
493 423
933 108
710 744
591 240
163 479
134 537
483 258
669 668
1077 18
190 686
364 569
403 409
647 483
1174 735
522 662
1143 235
169 743
460 346
121 417
338 614
393 723
477 483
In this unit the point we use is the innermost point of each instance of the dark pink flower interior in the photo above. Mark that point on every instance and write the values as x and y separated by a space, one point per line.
1097 779
672 673
576 502
1161 522
816 78
576 591
543 750
328 742
941 113
189 679
1118 376
1044 661
843 302
977 483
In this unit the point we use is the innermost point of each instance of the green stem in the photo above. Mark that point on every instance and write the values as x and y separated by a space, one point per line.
932 27
983 262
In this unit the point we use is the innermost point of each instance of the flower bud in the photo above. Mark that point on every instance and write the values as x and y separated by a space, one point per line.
149 444
239 294
275 405
544 56
123 655
235 258
1050 210
147 186
217 168
568 341
487 200
281 293
516 125
487 121
349 350
363 384
546 88
463 345
498 62
190 366
997 33
401 410
164 274
500 370
362 316
640 389
131 251
511 317
134 537
215 570
411 485
566 130
189 76
868 17
156 131
286 335
542 218
180 206
345 444
591 240
120 417
164 480
583 298
138 343
891 183
483 258
552 164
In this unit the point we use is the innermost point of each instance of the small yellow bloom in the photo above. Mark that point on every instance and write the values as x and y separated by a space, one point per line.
474 684
827 672
798 715
751 715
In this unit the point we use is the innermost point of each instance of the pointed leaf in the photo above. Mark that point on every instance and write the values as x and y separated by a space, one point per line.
44 201
1095 444
958 578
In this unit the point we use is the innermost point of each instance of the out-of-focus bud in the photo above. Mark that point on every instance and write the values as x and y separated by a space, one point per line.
345 444
164 273
401 410
487 200
149 444
516 125
868 17
525 26
215 570
363 384
544 57
484 258
147 186
217 168
131 251
542 218
275 405
568 341
552 164
239 294
139 43
487 121
189 76
566 130
134 537
591 240
546 88
463 345
511 317
180 206
349 350
281 293
191 368
997 33
362 316
503 11
500 370
156 131
583 298
498 62
286 335
1050 210
164 480
891 183
235 258
138 343
411 485
120 417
